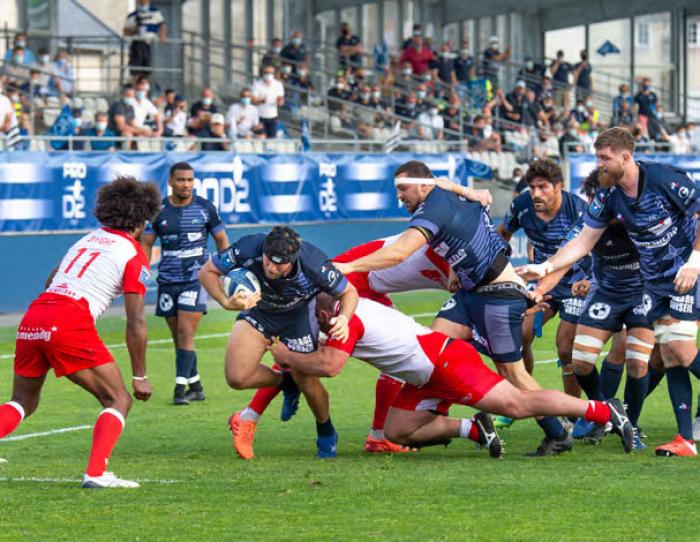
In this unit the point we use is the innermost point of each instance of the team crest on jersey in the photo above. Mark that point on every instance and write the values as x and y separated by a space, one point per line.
330 272
644 307
165 302
144 275
596 206
449 305
599 311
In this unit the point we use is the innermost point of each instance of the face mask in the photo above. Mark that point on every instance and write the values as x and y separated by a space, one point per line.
345 31
580 108
594 134
572 131
206 101
340 86
494 47
245 100
277 50
286 70
302 73
433 112
44 59
365 96
14 98
376 95
130 101
516 179
143 9
427 77
420 94
296 42
62 61
268 76
589 104
21 43
19 59
529 65
411 106
407 71
351 79
140 94
101 126
76 122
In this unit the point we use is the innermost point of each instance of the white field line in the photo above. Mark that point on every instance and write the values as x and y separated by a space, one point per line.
47 433
72 480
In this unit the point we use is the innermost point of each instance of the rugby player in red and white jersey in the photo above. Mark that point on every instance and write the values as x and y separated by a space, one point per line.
438 372
424 269
58 330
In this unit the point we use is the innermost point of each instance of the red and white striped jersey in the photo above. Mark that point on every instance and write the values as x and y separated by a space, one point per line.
392 342
102 265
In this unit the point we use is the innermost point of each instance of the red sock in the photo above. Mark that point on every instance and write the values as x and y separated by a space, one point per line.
386 392
474 432
597 412
11 414
108 427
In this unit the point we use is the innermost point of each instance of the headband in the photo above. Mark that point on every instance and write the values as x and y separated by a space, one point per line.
413 180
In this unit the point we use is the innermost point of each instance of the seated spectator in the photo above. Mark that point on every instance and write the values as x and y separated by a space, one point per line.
422 98
520 182
295 50
518 101
365 116
168 101
549 115
532 111
431 126
579 113
624 116
20 41
404 83
452 118
15 70
121 115
593 117
484 136
444 65
175 124
146 114
349 47
623 97
546 145
33 87
500 105
418 56
242 119
46 71
546 86
355 78
214 129
101 130
202 110
408 107
642 143
570 141
377 97
531 73
338 93
62 82
268 95
302 84
272 56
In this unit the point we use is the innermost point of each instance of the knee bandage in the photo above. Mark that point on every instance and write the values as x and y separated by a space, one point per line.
685 330
586 349
638 349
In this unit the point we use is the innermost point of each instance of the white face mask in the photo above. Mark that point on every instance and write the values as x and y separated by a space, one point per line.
45 59
376 95
420 94
268 76
434 112
101 126
206 101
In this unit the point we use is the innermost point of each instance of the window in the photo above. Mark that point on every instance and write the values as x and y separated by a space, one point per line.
641 36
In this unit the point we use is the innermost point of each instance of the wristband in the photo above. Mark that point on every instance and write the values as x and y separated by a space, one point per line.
139 378
694 260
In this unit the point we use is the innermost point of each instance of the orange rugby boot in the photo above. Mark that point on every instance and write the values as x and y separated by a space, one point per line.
243 435
678 447
385 446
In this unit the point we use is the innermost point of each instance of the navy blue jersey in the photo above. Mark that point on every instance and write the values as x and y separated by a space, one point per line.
660 220
461 232
547 236
184 233
615 259
313 272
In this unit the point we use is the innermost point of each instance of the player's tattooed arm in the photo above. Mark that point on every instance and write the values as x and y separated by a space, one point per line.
136 339
324 362
50 277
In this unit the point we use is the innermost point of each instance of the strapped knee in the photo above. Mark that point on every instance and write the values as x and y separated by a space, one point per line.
684 330
586 349
638 350
661 330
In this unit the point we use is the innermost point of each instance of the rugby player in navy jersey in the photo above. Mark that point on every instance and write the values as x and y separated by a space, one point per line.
183 225
657 205
547 213
291 272
490 298
615 300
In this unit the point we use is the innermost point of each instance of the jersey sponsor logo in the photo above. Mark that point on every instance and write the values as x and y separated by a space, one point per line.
194 236
165 302
301 344
644 307
144 275
188 298
35 333
596 207
184 253
442 249
661 227
457 257
657 243
599 311
683 303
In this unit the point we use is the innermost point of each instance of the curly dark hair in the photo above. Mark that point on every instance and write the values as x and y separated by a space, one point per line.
282 244
590 184
545 169
126 203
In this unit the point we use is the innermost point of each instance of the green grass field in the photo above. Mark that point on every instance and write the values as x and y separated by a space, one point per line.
195 488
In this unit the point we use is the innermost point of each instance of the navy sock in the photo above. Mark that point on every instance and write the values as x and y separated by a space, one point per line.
288 383
552 427
681 392
325 429
654 378
590 384
183 363
635 392
610 376
193 369
695 366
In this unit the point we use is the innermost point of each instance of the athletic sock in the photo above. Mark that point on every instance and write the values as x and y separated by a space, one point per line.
635 392
288 383
654 378
249 415
590 384
108 427
11 415
183 365
695 366
597 412
325 429
610 376
262 399
193 378
681 393
468 429
386 392
377 434
552 427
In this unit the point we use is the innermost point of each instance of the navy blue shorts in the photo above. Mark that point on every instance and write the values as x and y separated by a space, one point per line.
665 301
495 318
565 303
609 309
298 328
183 296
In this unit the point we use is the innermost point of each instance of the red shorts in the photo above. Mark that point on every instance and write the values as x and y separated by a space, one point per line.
460 376
58 332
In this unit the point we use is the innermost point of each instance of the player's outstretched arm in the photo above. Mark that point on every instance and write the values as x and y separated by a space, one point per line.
324 362
347 304
136 339
387 256
482 195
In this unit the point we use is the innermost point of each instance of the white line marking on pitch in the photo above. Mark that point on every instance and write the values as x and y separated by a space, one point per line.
47 433
73 480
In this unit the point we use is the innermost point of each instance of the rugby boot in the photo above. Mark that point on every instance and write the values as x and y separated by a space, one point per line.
503 422
638 445
678 447
384 445
327 447
621 423
488 438
553 446
195 392
582 429
243 435
179 395
290 402
107 481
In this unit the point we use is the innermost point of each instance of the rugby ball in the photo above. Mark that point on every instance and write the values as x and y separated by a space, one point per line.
240 280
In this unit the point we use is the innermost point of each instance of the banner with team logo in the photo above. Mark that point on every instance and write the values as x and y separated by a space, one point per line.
56 191
580 165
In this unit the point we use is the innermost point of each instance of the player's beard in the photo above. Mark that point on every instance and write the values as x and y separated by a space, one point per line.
610 176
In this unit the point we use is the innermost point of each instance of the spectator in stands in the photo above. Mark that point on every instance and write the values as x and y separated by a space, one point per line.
570 140
338 93
303 84
520 182
582 75
657 128
144 26
46 71
408 107
62 82
8 120
546 145
214 129
444 65
242 119
579 113
550 115
272 56
77 129
617 105
16 71
146 114
202 110
417 55
268 95
451 117
624 116
646 103
642 142
492 59
377 97
349 47
463 64
381 56
121 115
532 111
175 124
561 74
101 130
32 87
20 41
422 98
285 74
502 108
593 116
431 126
295 50
417 30
364 114
531 73
485 138
518 101
168 101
